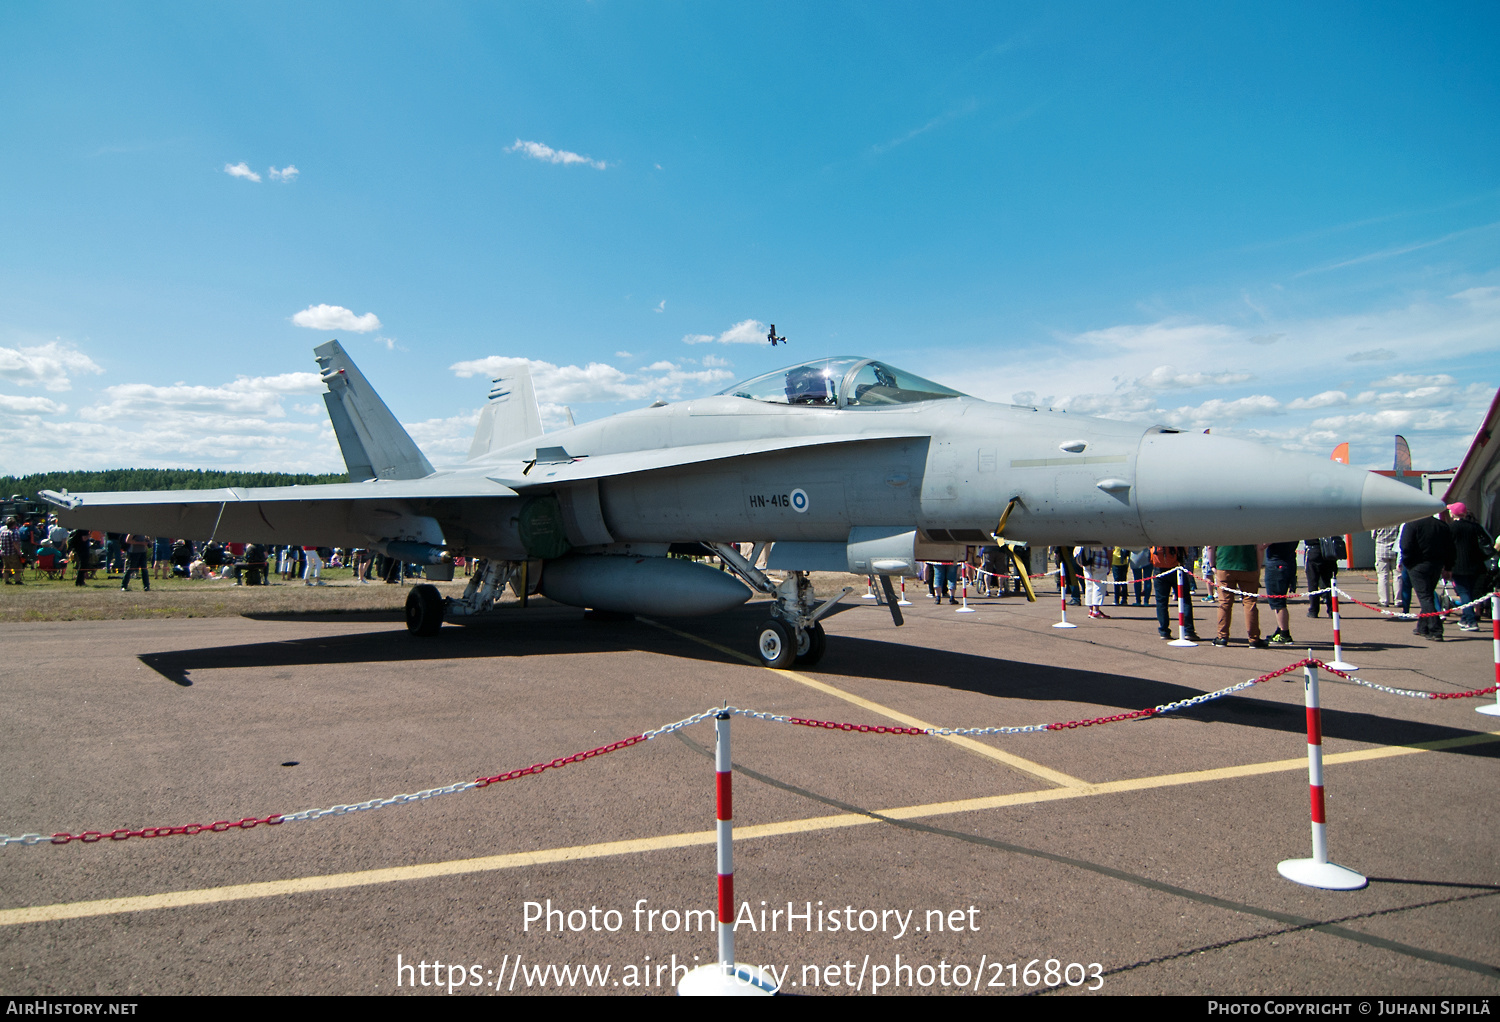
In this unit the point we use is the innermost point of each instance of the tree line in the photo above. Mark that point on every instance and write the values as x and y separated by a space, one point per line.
27 486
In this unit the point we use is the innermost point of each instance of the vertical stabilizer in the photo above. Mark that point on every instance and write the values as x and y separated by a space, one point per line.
510 417
374 444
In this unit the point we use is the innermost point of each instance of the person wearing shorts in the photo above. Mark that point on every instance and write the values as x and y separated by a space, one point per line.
1281 575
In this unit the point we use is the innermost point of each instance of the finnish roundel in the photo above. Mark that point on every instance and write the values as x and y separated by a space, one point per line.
799 500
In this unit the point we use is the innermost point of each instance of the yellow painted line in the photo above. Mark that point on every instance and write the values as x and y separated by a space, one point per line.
338 881
575 853
1011 760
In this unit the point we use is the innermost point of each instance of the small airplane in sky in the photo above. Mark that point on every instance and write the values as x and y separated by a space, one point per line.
836 464
773 338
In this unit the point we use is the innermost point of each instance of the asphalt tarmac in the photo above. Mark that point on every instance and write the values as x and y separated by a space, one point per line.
1134 857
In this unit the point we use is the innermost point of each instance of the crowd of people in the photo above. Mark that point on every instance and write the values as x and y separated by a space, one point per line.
44 545
1412 559
1415 558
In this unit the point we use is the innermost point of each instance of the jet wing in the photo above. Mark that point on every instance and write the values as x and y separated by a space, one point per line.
555 465
334 514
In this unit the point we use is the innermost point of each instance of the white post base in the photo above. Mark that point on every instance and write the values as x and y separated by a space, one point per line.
965 609
1182 642
1339 665
903 602
1326 875
715 981
1493 709
1065 624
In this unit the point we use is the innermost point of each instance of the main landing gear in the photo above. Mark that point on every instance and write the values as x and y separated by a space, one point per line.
424 610
426 607
793 634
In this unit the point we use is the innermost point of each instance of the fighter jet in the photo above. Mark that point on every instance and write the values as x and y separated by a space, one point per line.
842 464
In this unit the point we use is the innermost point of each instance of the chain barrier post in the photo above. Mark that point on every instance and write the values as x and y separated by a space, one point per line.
1317 871
1182 639
725 979
1338 644
903 602
1062 599
869 588
1493 709
965 609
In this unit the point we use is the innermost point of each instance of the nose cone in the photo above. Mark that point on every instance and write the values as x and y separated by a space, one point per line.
1388 502
1194 488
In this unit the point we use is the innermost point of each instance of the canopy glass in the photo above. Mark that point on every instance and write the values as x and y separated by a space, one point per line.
847 381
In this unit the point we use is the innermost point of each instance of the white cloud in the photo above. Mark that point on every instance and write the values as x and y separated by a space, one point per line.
1420 397
545 153
1385 421
1398 355
1168 334
1482 296
746 331
445 440
264 423
29 405
247 395
241 169
1217 410
286 175
1323 400
336 317
46 364
1414 380
937 122
662 307
598 381
1168 378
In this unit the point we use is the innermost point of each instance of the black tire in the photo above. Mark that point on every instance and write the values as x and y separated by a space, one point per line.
775 644
424 610
816 643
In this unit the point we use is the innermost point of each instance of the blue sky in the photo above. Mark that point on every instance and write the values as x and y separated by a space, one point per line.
1274 220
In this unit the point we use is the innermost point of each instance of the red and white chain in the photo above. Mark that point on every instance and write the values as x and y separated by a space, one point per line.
1413 617
250 822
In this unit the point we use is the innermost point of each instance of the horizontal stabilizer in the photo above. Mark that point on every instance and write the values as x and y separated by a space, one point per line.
511 415
373 442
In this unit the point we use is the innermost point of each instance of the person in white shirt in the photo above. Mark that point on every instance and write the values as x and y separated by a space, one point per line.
313 574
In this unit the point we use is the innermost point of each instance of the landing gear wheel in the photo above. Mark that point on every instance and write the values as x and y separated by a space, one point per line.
424 610
776 644
814 642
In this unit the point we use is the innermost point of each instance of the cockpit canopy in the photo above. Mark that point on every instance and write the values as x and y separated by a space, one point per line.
847 381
